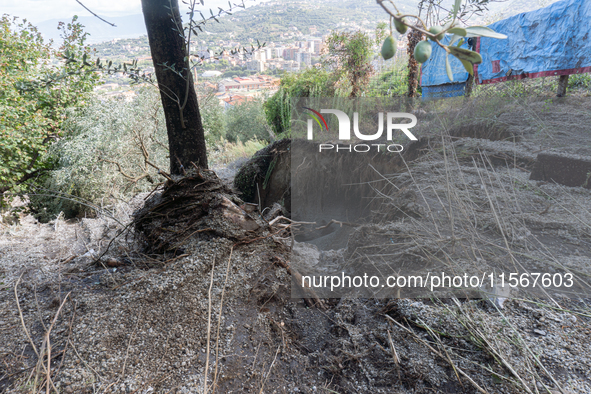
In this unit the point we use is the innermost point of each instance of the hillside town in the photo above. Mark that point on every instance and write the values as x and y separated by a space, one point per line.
297 53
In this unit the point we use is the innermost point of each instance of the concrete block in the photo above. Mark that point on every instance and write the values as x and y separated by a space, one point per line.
568 171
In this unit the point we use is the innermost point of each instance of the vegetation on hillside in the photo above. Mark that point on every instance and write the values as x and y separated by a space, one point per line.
36 91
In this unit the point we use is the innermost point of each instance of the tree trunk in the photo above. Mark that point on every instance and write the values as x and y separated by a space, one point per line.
414 37
562 85
469 86
186 136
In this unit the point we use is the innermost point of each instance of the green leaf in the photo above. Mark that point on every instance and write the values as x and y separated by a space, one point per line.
468 66
454 39
483 31
456 8
460 31
448 68
465 54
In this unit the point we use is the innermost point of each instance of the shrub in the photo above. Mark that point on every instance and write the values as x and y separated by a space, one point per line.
213 118
312 82
579 81
110 153
246 121
35 94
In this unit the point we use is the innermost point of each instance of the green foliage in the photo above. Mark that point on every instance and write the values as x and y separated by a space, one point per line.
579 81
390 83
34 96
382 31
112 147
278 112
213 118
102 158
312 82
225 152
246 121
349 56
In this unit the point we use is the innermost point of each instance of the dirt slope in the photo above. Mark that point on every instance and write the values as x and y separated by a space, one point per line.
138 323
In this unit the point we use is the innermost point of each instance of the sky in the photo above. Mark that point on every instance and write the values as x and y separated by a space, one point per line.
37 11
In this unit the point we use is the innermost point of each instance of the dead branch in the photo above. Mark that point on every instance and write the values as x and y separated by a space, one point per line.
414 335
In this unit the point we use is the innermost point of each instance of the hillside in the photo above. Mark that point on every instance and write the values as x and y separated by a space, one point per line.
268 22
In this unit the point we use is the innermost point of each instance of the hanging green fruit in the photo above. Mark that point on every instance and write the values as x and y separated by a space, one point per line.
400 26
389 47
422 51
437 32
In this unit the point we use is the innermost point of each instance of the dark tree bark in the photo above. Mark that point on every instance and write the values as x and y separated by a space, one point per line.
414 37
186 136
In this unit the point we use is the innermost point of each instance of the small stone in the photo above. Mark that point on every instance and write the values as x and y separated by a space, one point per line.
542 319
573 319
112 262
540 332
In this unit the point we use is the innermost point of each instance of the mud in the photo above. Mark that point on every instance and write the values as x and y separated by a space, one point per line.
136 321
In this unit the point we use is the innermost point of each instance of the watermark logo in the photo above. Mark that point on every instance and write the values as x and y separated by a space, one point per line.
345 124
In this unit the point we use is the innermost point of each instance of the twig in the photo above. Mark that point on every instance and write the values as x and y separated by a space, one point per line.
339 223
394 355
208 329
475 331
464 374
87 9
47 334
270 368
20 312
129 344
217 338
83 361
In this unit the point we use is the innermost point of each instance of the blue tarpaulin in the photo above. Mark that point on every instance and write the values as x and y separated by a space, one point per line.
433 70
443 91
549 41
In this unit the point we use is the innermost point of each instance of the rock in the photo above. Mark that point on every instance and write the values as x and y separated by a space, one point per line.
112 262
497 295
568 171
540 332
267 176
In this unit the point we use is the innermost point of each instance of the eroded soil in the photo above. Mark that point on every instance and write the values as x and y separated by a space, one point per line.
219 309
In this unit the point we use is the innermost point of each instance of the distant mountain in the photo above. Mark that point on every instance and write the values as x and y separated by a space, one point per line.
269 21
131 26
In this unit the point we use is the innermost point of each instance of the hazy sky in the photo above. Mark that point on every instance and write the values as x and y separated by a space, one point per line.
41 10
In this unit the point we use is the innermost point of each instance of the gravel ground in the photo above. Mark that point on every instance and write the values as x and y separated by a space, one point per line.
220 311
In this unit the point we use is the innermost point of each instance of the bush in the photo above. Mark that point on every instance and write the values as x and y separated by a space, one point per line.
312 82
109 154
213 118
579 81
35 94
246 121
391 83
